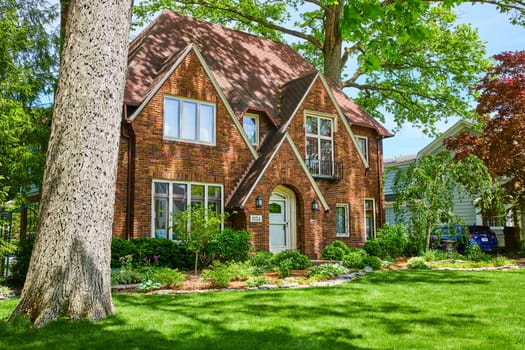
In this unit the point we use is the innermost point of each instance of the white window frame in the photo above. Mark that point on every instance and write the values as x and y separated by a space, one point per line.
188 201
347 220
362 141
320 137
198 120
255 117
373 233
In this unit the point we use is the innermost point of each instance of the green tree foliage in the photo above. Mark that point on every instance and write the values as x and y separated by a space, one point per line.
501 142
28 62
197 227
424 192
408 58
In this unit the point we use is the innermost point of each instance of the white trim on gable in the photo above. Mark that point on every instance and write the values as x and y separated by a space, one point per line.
316 188
187 50
455 129
345 121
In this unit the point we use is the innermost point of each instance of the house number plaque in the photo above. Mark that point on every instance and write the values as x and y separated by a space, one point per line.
255 218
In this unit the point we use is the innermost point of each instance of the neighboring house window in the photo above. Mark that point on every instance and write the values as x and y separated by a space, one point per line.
370 219
189 120
342 220
319 145
250 123
363 145
172 197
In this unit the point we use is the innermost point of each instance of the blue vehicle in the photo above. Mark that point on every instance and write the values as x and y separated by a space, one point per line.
461 237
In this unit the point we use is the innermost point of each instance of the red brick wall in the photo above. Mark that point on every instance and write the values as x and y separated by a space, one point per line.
157 158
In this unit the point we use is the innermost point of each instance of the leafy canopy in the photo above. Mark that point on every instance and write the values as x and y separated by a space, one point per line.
405 58
28 61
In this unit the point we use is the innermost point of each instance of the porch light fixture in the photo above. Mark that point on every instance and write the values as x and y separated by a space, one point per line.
315 205
258 202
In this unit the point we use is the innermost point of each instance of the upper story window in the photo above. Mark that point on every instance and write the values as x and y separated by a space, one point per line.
362 141
319 145
250 123
189 120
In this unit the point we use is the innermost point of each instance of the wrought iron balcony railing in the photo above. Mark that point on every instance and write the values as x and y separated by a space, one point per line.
325 169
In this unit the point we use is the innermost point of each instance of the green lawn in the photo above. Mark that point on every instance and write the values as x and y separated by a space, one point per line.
383 310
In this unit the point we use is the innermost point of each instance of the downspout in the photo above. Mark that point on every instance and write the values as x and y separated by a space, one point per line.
379 157
128 133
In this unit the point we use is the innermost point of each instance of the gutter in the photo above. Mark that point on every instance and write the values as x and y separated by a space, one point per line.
128 133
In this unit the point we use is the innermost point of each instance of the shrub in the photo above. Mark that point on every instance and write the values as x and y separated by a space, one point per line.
171 254
21 266
372 261
240 271
230 245
127 273
285 268
473 252
373 248
326 271
119 248
219 275
257 281
418 263
261 259
298 260
168 277
354 259
335 251
392 240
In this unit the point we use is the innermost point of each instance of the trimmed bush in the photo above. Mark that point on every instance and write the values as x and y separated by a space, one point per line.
372 261
335 251
373 248
354 259
298 260
169 253
230 245
21 266
393 240
418 263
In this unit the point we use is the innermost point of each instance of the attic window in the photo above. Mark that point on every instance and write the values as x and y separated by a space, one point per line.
362 141
189 120
250 123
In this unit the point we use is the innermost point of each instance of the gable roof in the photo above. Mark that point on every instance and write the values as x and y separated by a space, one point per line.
256 171
438 143
251 71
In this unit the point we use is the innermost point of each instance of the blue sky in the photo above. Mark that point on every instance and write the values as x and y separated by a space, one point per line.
493 28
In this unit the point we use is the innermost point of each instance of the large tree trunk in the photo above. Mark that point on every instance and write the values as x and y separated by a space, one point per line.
333 43
69 273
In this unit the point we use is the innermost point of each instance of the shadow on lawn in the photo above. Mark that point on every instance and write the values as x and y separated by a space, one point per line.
410 276
312 318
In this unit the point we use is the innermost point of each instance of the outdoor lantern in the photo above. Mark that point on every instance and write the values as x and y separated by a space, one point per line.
258 202
315 205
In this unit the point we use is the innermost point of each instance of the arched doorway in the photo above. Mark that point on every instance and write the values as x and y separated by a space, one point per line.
282 217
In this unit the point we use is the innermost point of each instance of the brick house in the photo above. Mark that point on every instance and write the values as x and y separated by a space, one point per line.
234 122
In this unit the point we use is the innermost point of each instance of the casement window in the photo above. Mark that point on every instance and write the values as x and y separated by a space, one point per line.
250 123
319 145
362 141
189 120
172 197
342 220
370 219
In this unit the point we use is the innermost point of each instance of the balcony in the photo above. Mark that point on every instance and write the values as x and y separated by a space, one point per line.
325 169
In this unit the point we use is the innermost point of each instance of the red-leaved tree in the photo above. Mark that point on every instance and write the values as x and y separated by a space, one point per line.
501 142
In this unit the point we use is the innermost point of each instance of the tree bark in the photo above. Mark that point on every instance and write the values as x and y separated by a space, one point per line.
69 272
333 43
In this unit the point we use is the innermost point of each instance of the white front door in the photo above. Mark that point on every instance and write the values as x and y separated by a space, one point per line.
279 232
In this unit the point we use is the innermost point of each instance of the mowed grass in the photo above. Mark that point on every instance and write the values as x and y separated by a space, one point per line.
382 310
